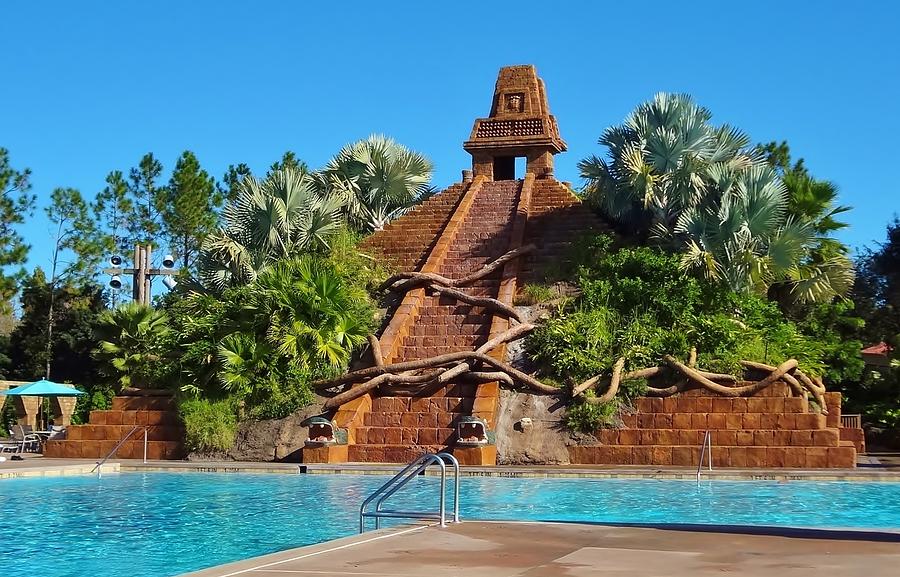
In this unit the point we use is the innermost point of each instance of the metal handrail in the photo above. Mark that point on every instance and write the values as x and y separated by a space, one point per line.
98 467
705 449
400 480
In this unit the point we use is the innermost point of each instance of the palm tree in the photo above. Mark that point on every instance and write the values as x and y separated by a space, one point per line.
665 158
269 220
314 317
378 180
699 189
133 345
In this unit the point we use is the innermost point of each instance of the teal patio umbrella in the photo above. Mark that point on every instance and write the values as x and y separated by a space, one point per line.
43 388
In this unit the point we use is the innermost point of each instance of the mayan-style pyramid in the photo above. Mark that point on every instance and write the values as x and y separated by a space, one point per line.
455 233
472 223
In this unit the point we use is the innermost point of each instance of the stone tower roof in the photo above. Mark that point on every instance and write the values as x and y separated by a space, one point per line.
520 115
519 125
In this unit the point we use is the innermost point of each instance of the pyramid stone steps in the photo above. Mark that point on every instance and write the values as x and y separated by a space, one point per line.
105 428
723 437
689 455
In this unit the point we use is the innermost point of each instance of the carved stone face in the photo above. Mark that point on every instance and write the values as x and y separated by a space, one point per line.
514 103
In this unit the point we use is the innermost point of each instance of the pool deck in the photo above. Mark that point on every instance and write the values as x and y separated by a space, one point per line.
499 549
34 465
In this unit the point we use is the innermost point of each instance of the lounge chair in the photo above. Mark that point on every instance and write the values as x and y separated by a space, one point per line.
26 439
57 432
9 445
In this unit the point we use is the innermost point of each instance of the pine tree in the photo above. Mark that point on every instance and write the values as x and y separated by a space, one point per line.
188 212
15 205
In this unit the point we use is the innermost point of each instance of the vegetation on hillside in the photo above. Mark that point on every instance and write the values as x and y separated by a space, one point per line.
724 246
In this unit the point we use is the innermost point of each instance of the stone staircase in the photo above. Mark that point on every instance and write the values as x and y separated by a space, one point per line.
770 429
397 428
106 428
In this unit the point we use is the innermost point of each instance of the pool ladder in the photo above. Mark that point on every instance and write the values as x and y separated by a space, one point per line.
398 481
705 449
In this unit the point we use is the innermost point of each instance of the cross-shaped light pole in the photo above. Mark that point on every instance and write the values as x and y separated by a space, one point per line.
142 273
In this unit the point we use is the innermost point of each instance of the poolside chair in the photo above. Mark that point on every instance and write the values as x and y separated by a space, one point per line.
9 445
22 434
57 432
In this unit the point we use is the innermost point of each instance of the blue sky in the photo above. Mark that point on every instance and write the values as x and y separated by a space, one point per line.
91 86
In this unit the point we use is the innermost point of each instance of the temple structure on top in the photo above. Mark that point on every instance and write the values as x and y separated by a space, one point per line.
519 125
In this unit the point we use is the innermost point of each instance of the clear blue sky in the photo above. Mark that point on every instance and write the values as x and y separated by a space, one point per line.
91 86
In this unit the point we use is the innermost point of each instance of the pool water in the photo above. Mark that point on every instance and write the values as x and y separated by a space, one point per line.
161 524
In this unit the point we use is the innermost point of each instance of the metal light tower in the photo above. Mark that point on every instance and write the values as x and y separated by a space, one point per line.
141 273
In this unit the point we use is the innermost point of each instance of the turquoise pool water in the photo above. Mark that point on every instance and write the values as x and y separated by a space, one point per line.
161 524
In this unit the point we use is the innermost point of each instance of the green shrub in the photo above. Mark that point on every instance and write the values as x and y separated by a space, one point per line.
209 425
637 303
585 417
533 294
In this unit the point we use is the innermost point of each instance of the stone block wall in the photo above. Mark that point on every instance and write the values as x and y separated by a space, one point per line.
771 429
165 434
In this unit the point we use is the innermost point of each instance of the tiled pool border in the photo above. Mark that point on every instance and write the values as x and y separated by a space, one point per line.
518 472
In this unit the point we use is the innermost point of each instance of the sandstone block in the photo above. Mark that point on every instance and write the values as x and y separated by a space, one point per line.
775 456
757 405
795 457
715 421
826 437
744 438
756 457
698 421
734 421
661 455
750 420
816 457
721 405
684 456
681 421
642 455
841 457
629 437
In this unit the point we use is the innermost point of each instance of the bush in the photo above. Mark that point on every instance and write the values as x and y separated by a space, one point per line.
209 425
533 294
585 417
637 303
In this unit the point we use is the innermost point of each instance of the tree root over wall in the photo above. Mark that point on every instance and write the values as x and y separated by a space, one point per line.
422 376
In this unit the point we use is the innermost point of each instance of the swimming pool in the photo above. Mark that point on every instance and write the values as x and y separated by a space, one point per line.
161 524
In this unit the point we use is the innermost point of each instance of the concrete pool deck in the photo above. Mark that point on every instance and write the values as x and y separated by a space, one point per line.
499 549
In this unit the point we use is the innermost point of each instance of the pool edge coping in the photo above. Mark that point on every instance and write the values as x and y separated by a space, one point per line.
864 475
552 471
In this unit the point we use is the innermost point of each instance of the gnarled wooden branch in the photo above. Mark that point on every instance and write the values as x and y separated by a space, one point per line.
408 280
487 303
795 385
610 392
375 345
695 376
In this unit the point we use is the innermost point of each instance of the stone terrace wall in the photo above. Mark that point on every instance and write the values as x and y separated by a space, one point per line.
771 429
106 428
